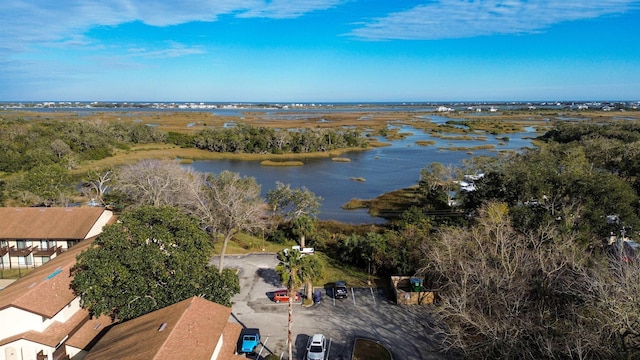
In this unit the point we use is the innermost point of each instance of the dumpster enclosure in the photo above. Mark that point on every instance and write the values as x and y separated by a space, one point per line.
409 291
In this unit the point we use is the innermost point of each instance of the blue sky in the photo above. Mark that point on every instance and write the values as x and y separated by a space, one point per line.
319 50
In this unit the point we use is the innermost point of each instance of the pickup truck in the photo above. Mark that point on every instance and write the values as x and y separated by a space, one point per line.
340 290
303 251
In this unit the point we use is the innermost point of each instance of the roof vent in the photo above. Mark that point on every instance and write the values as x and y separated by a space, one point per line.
162 326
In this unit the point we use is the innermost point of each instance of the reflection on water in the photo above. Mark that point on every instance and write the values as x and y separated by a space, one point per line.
384 169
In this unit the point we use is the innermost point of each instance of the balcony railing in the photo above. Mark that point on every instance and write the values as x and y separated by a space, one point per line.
21 252
37 251
4 250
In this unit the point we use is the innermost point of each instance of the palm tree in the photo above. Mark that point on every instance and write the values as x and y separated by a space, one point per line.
294 270
311 270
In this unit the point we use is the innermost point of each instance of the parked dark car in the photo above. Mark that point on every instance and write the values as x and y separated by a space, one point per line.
340 290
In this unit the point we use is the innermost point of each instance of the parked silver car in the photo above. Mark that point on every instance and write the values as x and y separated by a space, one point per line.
317 347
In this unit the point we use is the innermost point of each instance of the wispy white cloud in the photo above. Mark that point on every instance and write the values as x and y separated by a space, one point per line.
173 50
283 9
24 23
449 19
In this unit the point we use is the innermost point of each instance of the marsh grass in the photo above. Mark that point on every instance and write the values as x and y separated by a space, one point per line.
375 143
281 163
469 148
425 142
388 205
355 204
186 155
459 138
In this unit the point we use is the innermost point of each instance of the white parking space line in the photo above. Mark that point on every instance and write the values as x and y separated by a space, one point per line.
353 296
373 297
328 350
333 296
263 345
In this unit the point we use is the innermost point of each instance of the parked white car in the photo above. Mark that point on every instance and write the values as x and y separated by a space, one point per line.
317 347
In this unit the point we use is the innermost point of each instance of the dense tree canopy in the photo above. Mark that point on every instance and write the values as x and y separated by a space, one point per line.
149 259
26 144
297 206
43 185
249 139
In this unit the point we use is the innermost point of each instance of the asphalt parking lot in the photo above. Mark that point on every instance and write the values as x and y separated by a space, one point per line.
366 312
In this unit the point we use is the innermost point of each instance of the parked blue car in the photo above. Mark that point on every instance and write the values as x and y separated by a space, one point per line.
249 340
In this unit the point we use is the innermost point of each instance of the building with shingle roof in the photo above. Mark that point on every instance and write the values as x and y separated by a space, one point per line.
30 237
194 328
41 316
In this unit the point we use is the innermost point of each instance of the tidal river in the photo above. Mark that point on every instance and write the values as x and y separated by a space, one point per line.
384 169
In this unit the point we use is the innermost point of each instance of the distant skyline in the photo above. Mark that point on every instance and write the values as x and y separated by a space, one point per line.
319 50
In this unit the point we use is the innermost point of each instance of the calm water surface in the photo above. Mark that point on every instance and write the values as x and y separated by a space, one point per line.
384 169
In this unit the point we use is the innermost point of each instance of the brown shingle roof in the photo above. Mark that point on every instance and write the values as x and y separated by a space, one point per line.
88 333
231 334
47 223
46 290
192 331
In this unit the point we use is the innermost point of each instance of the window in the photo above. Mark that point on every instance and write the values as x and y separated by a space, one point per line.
45 259
21 244
24 261
44 244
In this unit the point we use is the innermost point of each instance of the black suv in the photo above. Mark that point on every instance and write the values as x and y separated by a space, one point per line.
340 290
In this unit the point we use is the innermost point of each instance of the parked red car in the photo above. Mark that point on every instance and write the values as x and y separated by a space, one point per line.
283 296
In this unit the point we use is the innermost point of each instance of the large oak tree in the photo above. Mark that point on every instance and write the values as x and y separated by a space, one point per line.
151 258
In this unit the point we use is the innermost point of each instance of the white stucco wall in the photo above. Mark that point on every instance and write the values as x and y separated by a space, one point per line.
20 321
65 313
24 350
216 352
75 353
102 221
